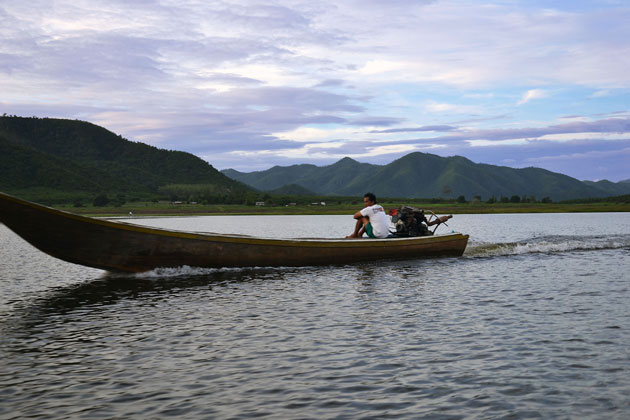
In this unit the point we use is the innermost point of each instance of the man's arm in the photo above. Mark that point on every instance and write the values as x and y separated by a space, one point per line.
358 215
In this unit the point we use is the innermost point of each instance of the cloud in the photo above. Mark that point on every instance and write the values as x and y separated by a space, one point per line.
482 119
532 94
588 155
436 107
227 77
417 129
601 93
374 121
304 100
232 80
577 159
606 126
610 125
330 83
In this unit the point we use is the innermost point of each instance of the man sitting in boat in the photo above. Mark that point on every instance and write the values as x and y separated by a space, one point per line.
371 220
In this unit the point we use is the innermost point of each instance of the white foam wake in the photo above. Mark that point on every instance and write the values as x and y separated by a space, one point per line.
187 271
548 244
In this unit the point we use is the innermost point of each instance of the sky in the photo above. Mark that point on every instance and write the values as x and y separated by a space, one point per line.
253 84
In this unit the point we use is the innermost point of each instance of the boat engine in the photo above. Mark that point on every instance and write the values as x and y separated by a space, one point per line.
410 221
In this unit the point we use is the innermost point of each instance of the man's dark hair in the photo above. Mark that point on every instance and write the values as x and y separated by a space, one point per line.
370 196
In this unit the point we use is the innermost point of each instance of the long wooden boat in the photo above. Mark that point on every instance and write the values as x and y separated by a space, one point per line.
119 246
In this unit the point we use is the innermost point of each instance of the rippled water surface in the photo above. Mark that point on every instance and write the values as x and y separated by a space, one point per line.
532 322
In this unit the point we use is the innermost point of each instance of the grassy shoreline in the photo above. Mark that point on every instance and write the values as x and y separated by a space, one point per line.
167 209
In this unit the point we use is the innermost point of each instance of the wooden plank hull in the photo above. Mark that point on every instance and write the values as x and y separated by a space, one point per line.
117 246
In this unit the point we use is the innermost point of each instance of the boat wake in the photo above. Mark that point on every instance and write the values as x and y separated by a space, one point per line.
547 244
187 271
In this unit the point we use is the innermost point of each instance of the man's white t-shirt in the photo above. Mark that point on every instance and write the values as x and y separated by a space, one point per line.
378 219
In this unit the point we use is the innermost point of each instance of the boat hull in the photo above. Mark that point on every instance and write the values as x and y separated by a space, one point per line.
117 246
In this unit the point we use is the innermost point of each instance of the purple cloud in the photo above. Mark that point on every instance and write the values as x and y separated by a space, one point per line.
580 158
611 125
417 129
305 99
330 83
372 121
219 77
233 79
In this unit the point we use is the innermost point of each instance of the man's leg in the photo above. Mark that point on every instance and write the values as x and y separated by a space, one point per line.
359 228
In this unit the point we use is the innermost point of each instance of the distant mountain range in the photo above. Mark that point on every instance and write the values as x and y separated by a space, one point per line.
78 158
44 157
423 175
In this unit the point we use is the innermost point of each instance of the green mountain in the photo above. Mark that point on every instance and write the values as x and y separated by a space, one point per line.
55 160
292 189
80 159
423 175
314 178
611 188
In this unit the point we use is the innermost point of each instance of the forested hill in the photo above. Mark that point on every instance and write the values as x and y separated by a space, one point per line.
423 175
44 157
54 160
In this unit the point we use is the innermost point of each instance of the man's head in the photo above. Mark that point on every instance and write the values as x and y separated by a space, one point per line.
369 199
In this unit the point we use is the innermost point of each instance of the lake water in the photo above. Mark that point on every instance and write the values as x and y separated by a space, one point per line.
532 322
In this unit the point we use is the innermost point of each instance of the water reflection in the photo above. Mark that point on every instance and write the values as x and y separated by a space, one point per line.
492 336
110 289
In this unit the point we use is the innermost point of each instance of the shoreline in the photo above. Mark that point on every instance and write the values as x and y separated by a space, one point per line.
155 210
